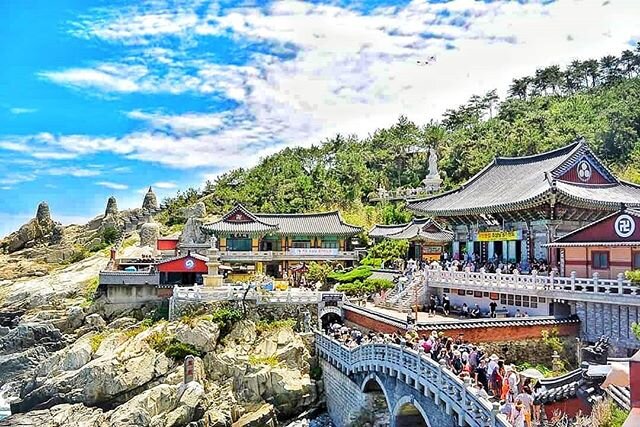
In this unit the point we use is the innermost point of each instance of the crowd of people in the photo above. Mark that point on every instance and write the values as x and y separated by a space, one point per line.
490 376
473 263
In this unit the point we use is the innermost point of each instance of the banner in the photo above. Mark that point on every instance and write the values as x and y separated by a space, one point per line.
496 236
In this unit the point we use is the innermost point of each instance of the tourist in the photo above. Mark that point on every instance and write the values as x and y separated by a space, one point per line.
475 313
492 309
526 397
465 310
492 373
514 382
518 314
446 305
518 415
432 305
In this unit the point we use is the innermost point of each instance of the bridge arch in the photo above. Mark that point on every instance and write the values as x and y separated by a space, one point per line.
408 412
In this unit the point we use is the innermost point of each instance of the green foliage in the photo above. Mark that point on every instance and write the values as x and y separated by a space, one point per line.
226 315
606 413
263 360
79 253
137 329
178 350
368 287
544 370
635 327
96 340
159 340
551 340
109 235
633 276
263 326
97 247
90 287
371 262
394 213
387 250
315 373
318 272
358 273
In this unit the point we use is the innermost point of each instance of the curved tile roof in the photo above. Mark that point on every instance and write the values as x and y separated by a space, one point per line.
414 230
381 230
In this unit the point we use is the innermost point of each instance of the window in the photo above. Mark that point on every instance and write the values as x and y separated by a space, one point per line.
636 260
525 301
330 244
518 300
509 299
445 290
503 299
301 244
239 244
534 302
600 260
461 292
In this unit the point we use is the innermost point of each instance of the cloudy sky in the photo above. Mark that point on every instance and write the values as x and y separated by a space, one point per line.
108 97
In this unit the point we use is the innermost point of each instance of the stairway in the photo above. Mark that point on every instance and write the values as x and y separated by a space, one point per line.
405 298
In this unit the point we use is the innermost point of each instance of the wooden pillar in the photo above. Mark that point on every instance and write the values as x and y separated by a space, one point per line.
223 243
255 243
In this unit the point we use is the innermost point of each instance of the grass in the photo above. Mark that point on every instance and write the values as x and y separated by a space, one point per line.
90 286
178 350
607 414
263 326
263 360
139 328
96 340
130 241
159 340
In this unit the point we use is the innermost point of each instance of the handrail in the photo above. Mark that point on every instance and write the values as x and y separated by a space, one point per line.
416 368
229 293
568 288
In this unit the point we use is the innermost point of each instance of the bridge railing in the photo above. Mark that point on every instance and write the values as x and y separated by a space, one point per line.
418 371
552 286
230 293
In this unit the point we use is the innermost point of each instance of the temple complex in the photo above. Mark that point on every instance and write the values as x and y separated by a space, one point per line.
277 244
428 239
516 205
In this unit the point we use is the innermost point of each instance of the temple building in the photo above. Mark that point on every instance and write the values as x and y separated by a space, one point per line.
278 244
516 205
428 239
609 246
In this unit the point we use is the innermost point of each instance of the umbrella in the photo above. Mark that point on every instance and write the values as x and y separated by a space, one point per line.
618 375
532 373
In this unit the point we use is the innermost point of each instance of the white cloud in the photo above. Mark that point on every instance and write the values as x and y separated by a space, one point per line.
22 110
72 171
16 178
164 184
344 71
112 185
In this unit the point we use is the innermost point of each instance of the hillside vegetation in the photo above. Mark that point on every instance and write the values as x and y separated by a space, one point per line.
595 99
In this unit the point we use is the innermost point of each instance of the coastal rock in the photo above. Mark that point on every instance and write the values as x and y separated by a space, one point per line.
203 335
58 416
27 335
114 377
149 234
112 207
17 364
75 317
95 321
32 232
264 416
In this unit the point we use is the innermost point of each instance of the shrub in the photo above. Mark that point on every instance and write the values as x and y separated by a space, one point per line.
606 413
98 247
226 315
635 327
315 372
137 329
109 235
178 350
263 360
159 340
633 276
371 262
318 272
389 250
368 287
358 273
90 288
79 254
96 340
276 325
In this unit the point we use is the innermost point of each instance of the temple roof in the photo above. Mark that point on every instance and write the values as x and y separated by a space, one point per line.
240 220
602 232
571 175
418 229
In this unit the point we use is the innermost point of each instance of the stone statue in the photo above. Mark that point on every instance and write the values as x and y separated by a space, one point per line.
433 163
213 241
306 321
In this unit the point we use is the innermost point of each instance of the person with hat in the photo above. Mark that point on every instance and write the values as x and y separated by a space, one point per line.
518 414
492 373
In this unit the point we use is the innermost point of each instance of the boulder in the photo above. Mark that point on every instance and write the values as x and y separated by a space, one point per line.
112 207
58 416
150 202
264 416
122 323
27 335
95 321
75 317
203 335
149 234
192 232
15 365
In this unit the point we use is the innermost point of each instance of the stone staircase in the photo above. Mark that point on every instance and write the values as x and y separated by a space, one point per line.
402 299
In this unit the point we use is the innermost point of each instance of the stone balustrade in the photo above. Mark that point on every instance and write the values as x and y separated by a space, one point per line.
302 254
569 288
417 370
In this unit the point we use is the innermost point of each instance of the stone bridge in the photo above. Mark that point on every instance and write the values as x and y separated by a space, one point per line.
416 390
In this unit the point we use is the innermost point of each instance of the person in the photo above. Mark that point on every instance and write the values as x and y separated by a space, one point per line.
481 374
480 391
526 397
518 314
514 382
475 313
432 304
492 309
465 310
445 304
492 371
518 415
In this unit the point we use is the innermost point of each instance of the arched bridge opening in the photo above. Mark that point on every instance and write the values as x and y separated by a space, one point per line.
375 409
409 413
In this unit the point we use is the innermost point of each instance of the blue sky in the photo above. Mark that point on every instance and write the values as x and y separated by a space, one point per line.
102 98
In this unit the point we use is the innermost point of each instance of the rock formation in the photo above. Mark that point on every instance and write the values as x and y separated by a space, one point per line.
112 207
149 234
33 232
150 202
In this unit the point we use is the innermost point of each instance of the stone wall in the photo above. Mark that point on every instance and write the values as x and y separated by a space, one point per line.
611 320
533 351
343 396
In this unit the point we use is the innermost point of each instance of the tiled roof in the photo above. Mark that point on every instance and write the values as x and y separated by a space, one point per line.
562 241
498 323
380 230
192 255
317 224
414 230
522 182
324 223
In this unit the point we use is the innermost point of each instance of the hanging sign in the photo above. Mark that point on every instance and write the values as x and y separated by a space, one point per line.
496 236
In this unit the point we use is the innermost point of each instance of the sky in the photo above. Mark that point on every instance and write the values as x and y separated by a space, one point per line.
101 98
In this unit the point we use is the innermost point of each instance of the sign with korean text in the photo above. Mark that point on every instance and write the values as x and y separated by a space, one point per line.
497 236
331 297
189 365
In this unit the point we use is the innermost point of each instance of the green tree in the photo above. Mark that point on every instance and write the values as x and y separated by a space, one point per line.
318 272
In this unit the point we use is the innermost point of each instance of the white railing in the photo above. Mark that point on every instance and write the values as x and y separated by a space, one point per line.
418 371
229 293
567 288
294 253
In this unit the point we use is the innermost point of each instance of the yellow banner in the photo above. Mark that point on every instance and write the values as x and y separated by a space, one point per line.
493 236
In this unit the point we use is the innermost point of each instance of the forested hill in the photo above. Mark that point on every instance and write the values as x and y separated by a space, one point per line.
595 99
